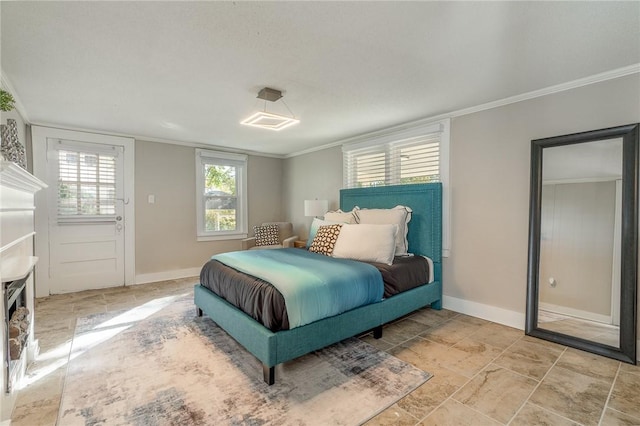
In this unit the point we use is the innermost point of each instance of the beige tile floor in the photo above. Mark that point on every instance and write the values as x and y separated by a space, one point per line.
484 373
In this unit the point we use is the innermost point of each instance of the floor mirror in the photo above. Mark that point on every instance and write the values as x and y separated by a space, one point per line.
583 241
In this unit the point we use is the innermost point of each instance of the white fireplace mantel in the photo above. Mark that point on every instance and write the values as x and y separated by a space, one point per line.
17 210
14 176
16 268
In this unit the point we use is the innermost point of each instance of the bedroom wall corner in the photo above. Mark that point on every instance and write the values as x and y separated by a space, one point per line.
166 245
309 176
490 172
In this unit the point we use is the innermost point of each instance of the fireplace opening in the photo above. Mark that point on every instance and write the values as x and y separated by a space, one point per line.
17 320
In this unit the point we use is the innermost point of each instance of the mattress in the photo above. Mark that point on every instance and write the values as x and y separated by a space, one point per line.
264 303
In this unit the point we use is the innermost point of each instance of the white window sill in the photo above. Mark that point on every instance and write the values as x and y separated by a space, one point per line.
221 237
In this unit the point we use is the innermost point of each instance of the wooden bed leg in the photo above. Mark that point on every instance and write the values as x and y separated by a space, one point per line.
377 332
198 311
437 305
269 374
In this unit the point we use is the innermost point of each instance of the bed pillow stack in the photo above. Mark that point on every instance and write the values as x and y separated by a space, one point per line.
372 235
367 242
399 215
330 218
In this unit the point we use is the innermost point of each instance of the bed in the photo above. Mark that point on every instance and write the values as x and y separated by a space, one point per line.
424 237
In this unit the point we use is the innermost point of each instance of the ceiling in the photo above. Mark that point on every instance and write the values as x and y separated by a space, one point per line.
190 71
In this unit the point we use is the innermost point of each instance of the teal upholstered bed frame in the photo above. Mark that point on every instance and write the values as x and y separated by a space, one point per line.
425 238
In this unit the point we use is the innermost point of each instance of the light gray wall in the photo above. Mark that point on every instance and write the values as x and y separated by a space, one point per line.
489 180
307 177
490 172
166 231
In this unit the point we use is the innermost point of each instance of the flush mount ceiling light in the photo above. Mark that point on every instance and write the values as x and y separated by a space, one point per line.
270 120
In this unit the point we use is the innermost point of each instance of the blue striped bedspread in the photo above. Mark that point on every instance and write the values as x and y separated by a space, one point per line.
314 286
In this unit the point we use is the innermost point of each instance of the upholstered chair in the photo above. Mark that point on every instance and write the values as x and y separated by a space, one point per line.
265 236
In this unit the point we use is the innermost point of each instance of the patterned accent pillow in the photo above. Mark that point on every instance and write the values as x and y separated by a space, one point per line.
325 239
266 235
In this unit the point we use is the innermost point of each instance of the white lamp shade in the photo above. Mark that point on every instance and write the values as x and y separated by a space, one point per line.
315 207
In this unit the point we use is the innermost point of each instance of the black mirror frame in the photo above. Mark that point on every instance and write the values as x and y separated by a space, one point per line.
629 255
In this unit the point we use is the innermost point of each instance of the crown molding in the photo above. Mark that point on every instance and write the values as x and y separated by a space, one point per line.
586 81
160 140
596 78
6 83
208 146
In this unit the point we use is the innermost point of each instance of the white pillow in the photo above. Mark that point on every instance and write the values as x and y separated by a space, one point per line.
317 223
372 243
399 215
340 216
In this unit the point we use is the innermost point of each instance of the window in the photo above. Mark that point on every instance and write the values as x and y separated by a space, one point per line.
411 154
221 202
87 182
402 157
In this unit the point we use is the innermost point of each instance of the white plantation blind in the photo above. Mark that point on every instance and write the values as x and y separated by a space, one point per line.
416 153
395 159
86 184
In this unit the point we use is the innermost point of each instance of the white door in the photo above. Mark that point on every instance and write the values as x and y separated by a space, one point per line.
86 211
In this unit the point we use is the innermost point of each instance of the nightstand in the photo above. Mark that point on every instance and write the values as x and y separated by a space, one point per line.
300 244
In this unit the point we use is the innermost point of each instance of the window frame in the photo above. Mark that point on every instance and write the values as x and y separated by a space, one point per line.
386 139
218 158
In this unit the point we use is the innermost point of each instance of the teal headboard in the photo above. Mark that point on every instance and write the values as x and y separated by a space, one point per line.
425 227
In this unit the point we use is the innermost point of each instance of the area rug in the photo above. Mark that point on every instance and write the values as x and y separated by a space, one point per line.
159 364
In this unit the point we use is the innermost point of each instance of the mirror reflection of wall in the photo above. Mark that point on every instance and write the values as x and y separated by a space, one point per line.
579 284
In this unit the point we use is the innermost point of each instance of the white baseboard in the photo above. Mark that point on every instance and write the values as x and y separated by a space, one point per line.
168 275
491 313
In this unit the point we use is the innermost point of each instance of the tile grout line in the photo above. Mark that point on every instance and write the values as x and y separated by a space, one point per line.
413 337
66 370
555 414
606 403
450 397
626 414
487 365
538 385
539 381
